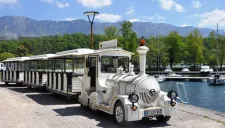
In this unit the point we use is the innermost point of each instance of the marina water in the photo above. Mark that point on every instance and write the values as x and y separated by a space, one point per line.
199 94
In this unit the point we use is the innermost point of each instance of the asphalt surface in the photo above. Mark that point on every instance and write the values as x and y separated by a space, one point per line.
21 107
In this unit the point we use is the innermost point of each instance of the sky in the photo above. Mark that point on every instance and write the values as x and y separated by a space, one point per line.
197 13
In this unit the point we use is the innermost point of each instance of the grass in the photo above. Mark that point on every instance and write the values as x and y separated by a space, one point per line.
214 120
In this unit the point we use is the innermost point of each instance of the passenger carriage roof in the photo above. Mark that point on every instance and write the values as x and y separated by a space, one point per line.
74 52
41 57
16 59
102 51
82 52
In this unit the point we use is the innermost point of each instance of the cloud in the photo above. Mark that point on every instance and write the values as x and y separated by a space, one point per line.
48 1
95 3
108 17
70 19
134 20
185 25
137 20
9 2
179 8
169 5
155 18
196 4
57 3
210 19
61 5
130 10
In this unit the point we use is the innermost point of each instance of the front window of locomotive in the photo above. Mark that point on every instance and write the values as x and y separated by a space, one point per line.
109 64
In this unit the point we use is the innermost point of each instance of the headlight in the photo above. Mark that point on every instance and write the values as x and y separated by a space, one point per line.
172 94
133 98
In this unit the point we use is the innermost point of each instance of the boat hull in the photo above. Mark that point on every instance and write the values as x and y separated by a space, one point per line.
216 81
205 73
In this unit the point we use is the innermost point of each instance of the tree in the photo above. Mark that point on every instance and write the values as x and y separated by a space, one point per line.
21 51
221 50
173 49
126 31
156 52
5 55
110 32
195 47
133 42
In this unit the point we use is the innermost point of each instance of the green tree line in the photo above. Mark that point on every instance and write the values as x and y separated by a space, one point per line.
172 49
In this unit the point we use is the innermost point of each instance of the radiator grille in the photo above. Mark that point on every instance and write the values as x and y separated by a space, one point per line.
146 98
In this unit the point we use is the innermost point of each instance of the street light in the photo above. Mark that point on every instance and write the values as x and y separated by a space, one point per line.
89 14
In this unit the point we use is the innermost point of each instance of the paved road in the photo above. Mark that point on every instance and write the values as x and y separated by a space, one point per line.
29 108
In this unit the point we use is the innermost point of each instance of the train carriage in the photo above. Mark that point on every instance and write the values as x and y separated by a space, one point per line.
66 71
35 71
14 72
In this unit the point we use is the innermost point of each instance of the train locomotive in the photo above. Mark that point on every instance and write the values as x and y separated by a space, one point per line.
127 96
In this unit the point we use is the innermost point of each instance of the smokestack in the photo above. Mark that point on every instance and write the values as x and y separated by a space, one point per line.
142 50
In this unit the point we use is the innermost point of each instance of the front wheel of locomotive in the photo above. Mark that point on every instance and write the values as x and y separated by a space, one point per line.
119 114
163 119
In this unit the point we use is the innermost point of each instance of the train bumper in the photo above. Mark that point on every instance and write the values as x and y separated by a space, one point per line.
149 112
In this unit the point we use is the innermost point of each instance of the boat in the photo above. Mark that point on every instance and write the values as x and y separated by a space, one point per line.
174 75
217 79
168 70
205 70
160 78
185 70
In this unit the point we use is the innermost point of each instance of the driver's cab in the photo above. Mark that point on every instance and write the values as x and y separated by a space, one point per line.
101 64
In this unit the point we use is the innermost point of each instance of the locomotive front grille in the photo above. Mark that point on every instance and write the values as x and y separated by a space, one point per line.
146 98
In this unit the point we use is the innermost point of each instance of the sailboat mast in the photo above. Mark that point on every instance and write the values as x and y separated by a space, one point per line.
158 54
217 48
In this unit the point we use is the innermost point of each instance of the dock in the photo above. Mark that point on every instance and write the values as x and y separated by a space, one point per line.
181 78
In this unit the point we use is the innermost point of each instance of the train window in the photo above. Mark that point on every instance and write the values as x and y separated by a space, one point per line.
79 65
59 65
15 66
109 64
11 66
33 65
69 65
20 66
51 65
41 65
26 66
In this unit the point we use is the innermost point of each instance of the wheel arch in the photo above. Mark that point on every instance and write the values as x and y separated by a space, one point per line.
117 99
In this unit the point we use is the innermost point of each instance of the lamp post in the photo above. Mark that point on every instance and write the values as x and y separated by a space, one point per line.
91 14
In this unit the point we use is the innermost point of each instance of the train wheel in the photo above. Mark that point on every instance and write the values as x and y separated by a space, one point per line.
119 114
84 99
93 103
163 119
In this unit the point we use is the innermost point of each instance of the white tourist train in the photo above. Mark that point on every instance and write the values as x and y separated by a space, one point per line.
102 79
14 71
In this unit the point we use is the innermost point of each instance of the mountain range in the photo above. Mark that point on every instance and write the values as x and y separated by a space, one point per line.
12 27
